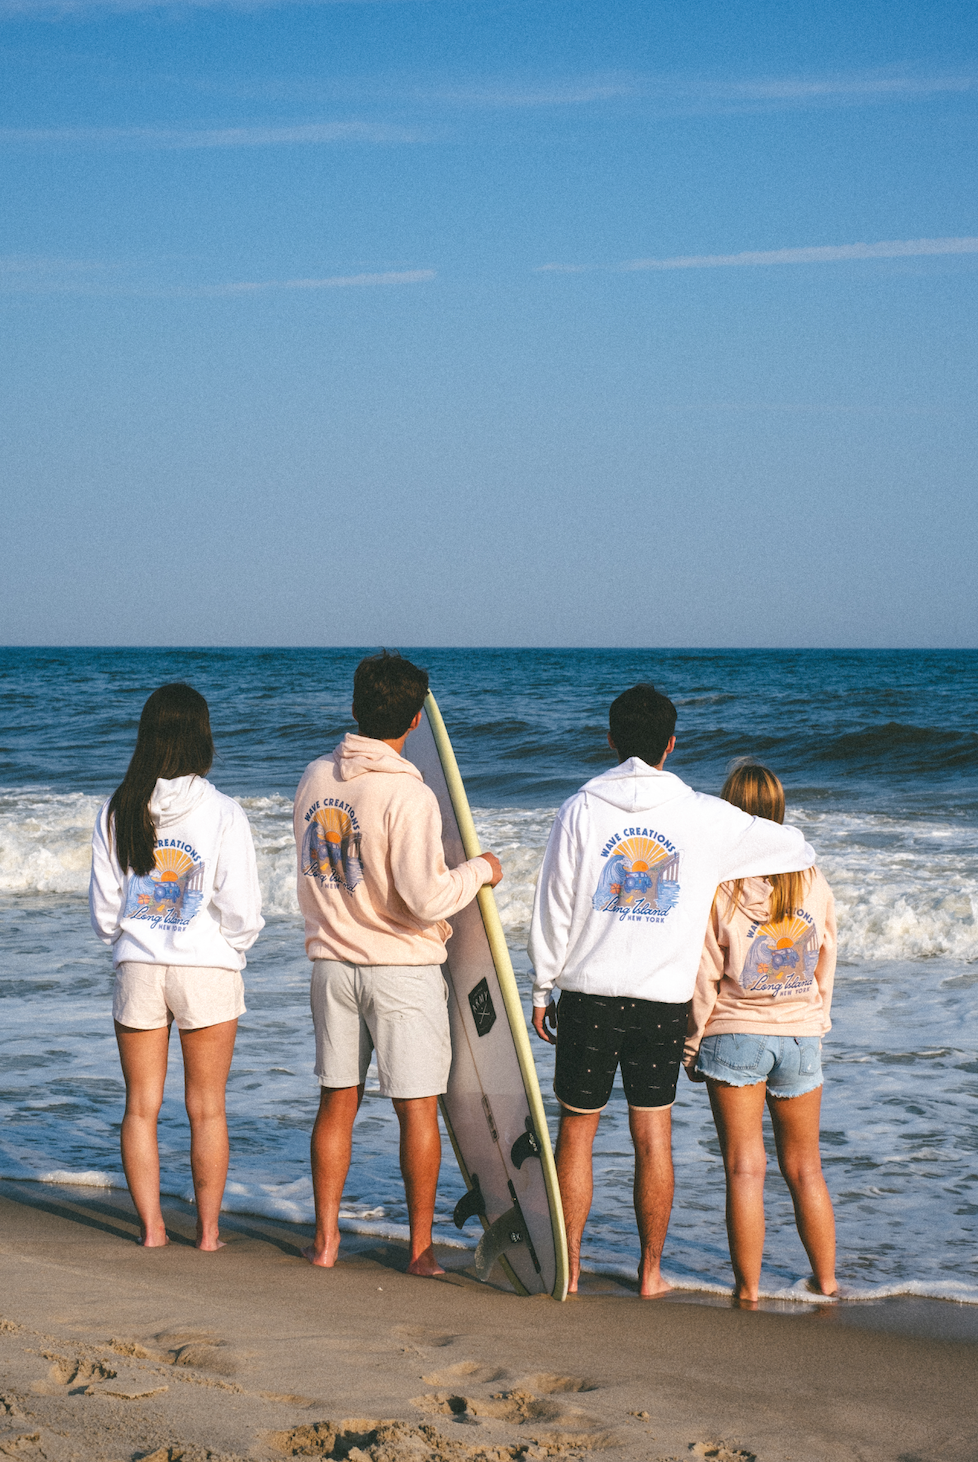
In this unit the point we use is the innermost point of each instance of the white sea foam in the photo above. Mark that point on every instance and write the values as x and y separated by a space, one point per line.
45 840
905 889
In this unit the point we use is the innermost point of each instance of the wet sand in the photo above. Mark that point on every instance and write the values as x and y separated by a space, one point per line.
110 1353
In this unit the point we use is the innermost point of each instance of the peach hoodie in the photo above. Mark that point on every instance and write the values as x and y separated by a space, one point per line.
374 888
760 978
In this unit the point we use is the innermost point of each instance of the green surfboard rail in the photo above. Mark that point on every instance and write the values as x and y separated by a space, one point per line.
509 990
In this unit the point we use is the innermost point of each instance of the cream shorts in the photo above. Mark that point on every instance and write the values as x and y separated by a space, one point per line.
147 997
399 1011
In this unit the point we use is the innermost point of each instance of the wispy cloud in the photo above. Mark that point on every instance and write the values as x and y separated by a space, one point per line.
182 138
48 9
26 275
573 93
834 89
816 254
334 281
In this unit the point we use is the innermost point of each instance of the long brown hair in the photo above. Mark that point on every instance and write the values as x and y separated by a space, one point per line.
758 791
174 740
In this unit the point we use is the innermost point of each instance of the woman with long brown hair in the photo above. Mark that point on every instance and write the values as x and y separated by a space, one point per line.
760 1009
174 891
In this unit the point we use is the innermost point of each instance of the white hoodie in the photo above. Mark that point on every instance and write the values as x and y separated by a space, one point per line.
201 905
628 879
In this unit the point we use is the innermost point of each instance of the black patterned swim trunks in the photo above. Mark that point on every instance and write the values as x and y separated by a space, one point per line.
597 1033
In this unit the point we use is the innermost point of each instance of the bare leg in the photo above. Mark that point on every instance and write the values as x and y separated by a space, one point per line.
575 1142
651 1130
207 1054
739 1115
143 1057
420 1161
795 1122
331 1147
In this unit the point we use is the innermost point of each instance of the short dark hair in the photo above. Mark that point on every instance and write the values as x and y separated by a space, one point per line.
641 722
388 692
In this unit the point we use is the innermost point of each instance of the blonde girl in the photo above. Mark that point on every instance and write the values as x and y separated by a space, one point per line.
760 1009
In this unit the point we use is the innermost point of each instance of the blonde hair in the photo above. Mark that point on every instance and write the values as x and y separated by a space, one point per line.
758 791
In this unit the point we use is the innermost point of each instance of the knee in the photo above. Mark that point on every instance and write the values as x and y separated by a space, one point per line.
747 1166
802 1172
205 1107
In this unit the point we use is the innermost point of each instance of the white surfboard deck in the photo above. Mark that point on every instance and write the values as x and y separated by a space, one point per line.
493 1102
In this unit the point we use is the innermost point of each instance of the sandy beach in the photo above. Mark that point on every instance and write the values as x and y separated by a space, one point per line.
111 1353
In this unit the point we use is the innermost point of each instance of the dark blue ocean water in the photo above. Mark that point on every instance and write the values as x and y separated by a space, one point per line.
879 755
867 726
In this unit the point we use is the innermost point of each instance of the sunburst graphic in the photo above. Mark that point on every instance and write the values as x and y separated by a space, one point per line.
641 853
171 864
785 932
336 825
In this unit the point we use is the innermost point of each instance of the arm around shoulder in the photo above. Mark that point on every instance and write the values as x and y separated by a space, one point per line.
758 847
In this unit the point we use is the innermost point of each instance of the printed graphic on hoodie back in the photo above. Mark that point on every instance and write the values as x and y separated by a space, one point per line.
331 846
173 892
781 959
641 877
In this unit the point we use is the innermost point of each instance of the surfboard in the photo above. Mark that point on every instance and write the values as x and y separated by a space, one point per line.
493 1109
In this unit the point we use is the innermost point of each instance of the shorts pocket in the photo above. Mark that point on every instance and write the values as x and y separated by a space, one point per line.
739 1053
809 1055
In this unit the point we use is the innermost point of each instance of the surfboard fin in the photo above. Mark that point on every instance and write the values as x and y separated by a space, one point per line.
470 1204
526 1145
507 1231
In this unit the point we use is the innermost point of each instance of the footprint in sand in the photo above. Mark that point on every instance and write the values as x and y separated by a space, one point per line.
466 1370
201 1349
421 1338
398 1441
720 1452
516 1405
550 1384
71 1371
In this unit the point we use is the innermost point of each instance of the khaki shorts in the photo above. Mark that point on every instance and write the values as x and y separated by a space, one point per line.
399 1011
147 997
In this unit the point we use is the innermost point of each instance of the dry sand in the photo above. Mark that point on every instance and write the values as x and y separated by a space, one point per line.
110 1352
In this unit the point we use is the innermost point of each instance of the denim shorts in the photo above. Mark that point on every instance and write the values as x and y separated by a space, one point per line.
791 1065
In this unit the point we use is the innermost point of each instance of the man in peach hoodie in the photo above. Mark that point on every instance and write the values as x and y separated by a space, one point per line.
375 893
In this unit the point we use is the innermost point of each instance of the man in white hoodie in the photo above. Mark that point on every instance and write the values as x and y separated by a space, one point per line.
376 893
627 883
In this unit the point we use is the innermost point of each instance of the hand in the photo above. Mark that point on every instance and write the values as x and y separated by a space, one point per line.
693 1074
496 866
542 1017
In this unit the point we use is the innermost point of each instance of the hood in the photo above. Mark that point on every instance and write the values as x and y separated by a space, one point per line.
754 900
356 755
634 786
174 797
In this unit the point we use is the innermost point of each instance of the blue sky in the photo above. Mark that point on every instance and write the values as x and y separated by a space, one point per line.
421 322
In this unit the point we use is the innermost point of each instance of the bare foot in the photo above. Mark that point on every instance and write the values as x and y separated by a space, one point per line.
153 1239
210 1246
745 1302
830 1289
425 1264
324 1255
650 1283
